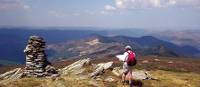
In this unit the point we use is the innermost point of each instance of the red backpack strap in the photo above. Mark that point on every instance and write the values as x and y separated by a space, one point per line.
130 53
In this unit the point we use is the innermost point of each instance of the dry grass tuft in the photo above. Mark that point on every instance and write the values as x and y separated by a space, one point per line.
26 82
165 79
173 79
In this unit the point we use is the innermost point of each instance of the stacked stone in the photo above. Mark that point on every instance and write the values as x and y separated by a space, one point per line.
36 59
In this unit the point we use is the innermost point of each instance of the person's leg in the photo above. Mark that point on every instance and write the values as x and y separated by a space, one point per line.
130 78
130 75
123 78
125 72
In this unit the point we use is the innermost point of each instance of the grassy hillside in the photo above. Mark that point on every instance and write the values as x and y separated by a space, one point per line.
168 72
165 79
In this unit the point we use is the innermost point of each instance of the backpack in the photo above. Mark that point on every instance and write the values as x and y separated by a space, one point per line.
131 61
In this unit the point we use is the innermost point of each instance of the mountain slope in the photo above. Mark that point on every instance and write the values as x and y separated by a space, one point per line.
13 40
148 42
88 47
181 37
97 45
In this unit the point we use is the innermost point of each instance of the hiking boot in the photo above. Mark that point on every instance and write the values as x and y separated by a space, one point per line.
130 84
123 82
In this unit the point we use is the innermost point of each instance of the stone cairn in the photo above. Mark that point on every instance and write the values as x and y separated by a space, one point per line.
36 60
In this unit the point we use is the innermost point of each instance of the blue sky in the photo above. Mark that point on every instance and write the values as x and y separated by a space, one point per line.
146 14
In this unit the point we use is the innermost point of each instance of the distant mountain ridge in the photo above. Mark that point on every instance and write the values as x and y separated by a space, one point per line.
97 45
152 42
181 38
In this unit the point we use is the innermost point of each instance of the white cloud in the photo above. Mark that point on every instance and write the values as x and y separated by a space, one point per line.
155 3
7 5
137 4
57 14
109 8
171 2
146 4
121 3
26 7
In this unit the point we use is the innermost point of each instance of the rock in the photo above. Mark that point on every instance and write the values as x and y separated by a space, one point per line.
100 68
170 62
98 71
105 65
11 76
137 74
79 71
156 60
145 61
7 74
51 71
54 76
109 79
98 79
117 71
141 75
76 67
36 60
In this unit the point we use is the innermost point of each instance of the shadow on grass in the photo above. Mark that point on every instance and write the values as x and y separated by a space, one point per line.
139 83
135 83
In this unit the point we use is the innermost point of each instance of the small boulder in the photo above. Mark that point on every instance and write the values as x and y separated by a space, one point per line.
145 61
156 60
100 68
76 67
137 74
11 76
170 62
109 79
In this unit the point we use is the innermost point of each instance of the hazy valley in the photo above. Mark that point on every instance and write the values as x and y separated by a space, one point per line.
75 42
